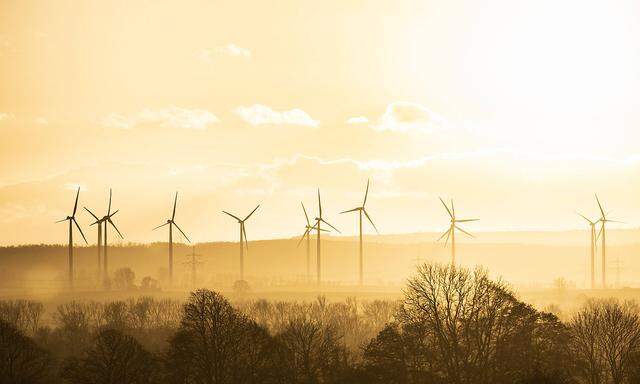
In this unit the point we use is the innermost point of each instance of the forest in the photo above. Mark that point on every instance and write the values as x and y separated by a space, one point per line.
452 325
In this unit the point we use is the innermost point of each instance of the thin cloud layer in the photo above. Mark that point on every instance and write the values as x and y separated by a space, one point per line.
259 114
208 55
358 120
174 117
404 116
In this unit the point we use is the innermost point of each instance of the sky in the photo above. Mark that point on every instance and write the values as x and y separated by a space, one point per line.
518 110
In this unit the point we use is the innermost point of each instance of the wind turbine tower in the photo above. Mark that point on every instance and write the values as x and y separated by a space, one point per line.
361 209
593 237
451 232
171 222
603 232
72 220
318 221
243 238
307 236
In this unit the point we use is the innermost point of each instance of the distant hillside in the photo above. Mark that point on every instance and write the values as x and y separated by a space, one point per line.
529 259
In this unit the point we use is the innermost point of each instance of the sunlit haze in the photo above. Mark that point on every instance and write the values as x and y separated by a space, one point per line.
518 110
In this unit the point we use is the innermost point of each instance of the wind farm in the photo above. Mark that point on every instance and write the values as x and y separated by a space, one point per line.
596 235
357 192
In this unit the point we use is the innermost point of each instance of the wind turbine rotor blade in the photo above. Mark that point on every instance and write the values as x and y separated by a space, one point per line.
60 221
303 235
319 204
183 234
453 210
366 192
584 217
465 220
249 215
246 242
315 228
79 229
75 206
599 233
463 231
324 221
116 211
443 235
615 221
234 216
160 226
350 210
448 235
91 213
445 207
371 221
116 228
305 213
110 195
175 202
600 206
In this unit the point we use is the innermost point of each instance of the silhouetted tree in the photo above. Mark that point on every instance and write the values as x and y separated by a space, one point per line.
114 358
123 278
606 341
385 357
217 344
21 360
458 326
313 351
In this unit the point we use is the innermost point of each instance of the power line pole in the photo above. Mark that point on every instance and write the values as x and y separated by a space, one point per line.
193 262
617 264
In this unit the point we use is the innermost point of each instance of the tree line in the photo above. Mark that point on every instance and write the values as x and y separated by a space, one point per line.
452 325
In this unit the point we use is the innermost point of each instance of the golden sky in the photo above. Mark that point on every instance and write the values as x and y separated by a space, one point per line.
520 110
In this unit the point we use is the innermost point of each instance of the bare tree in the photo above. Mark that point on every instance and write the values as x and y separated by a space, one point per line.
123 278
475 329
113 358
217 344
314 352
606 340
21 360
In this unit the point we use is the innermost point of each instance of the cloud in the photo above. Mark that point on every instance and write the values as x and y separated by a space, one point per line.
207 55
115 120
74 186
41 121
259 114
358 120
404 116
234 50
174 117
4 116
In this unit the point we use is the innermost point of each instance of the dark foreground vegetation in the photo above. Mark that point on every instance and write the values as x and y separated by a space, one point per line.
452 326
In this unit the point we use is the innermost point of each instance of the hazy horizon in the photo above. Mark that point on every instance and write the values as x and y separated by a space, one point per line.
234 108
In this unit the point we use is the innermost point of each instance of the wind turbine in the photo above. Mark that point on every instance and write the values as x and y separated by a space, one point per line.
360 211
106 219
451 232
99 243
592 226
603 232
99 222
171 222
318 221
72 220
243 238
307 235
